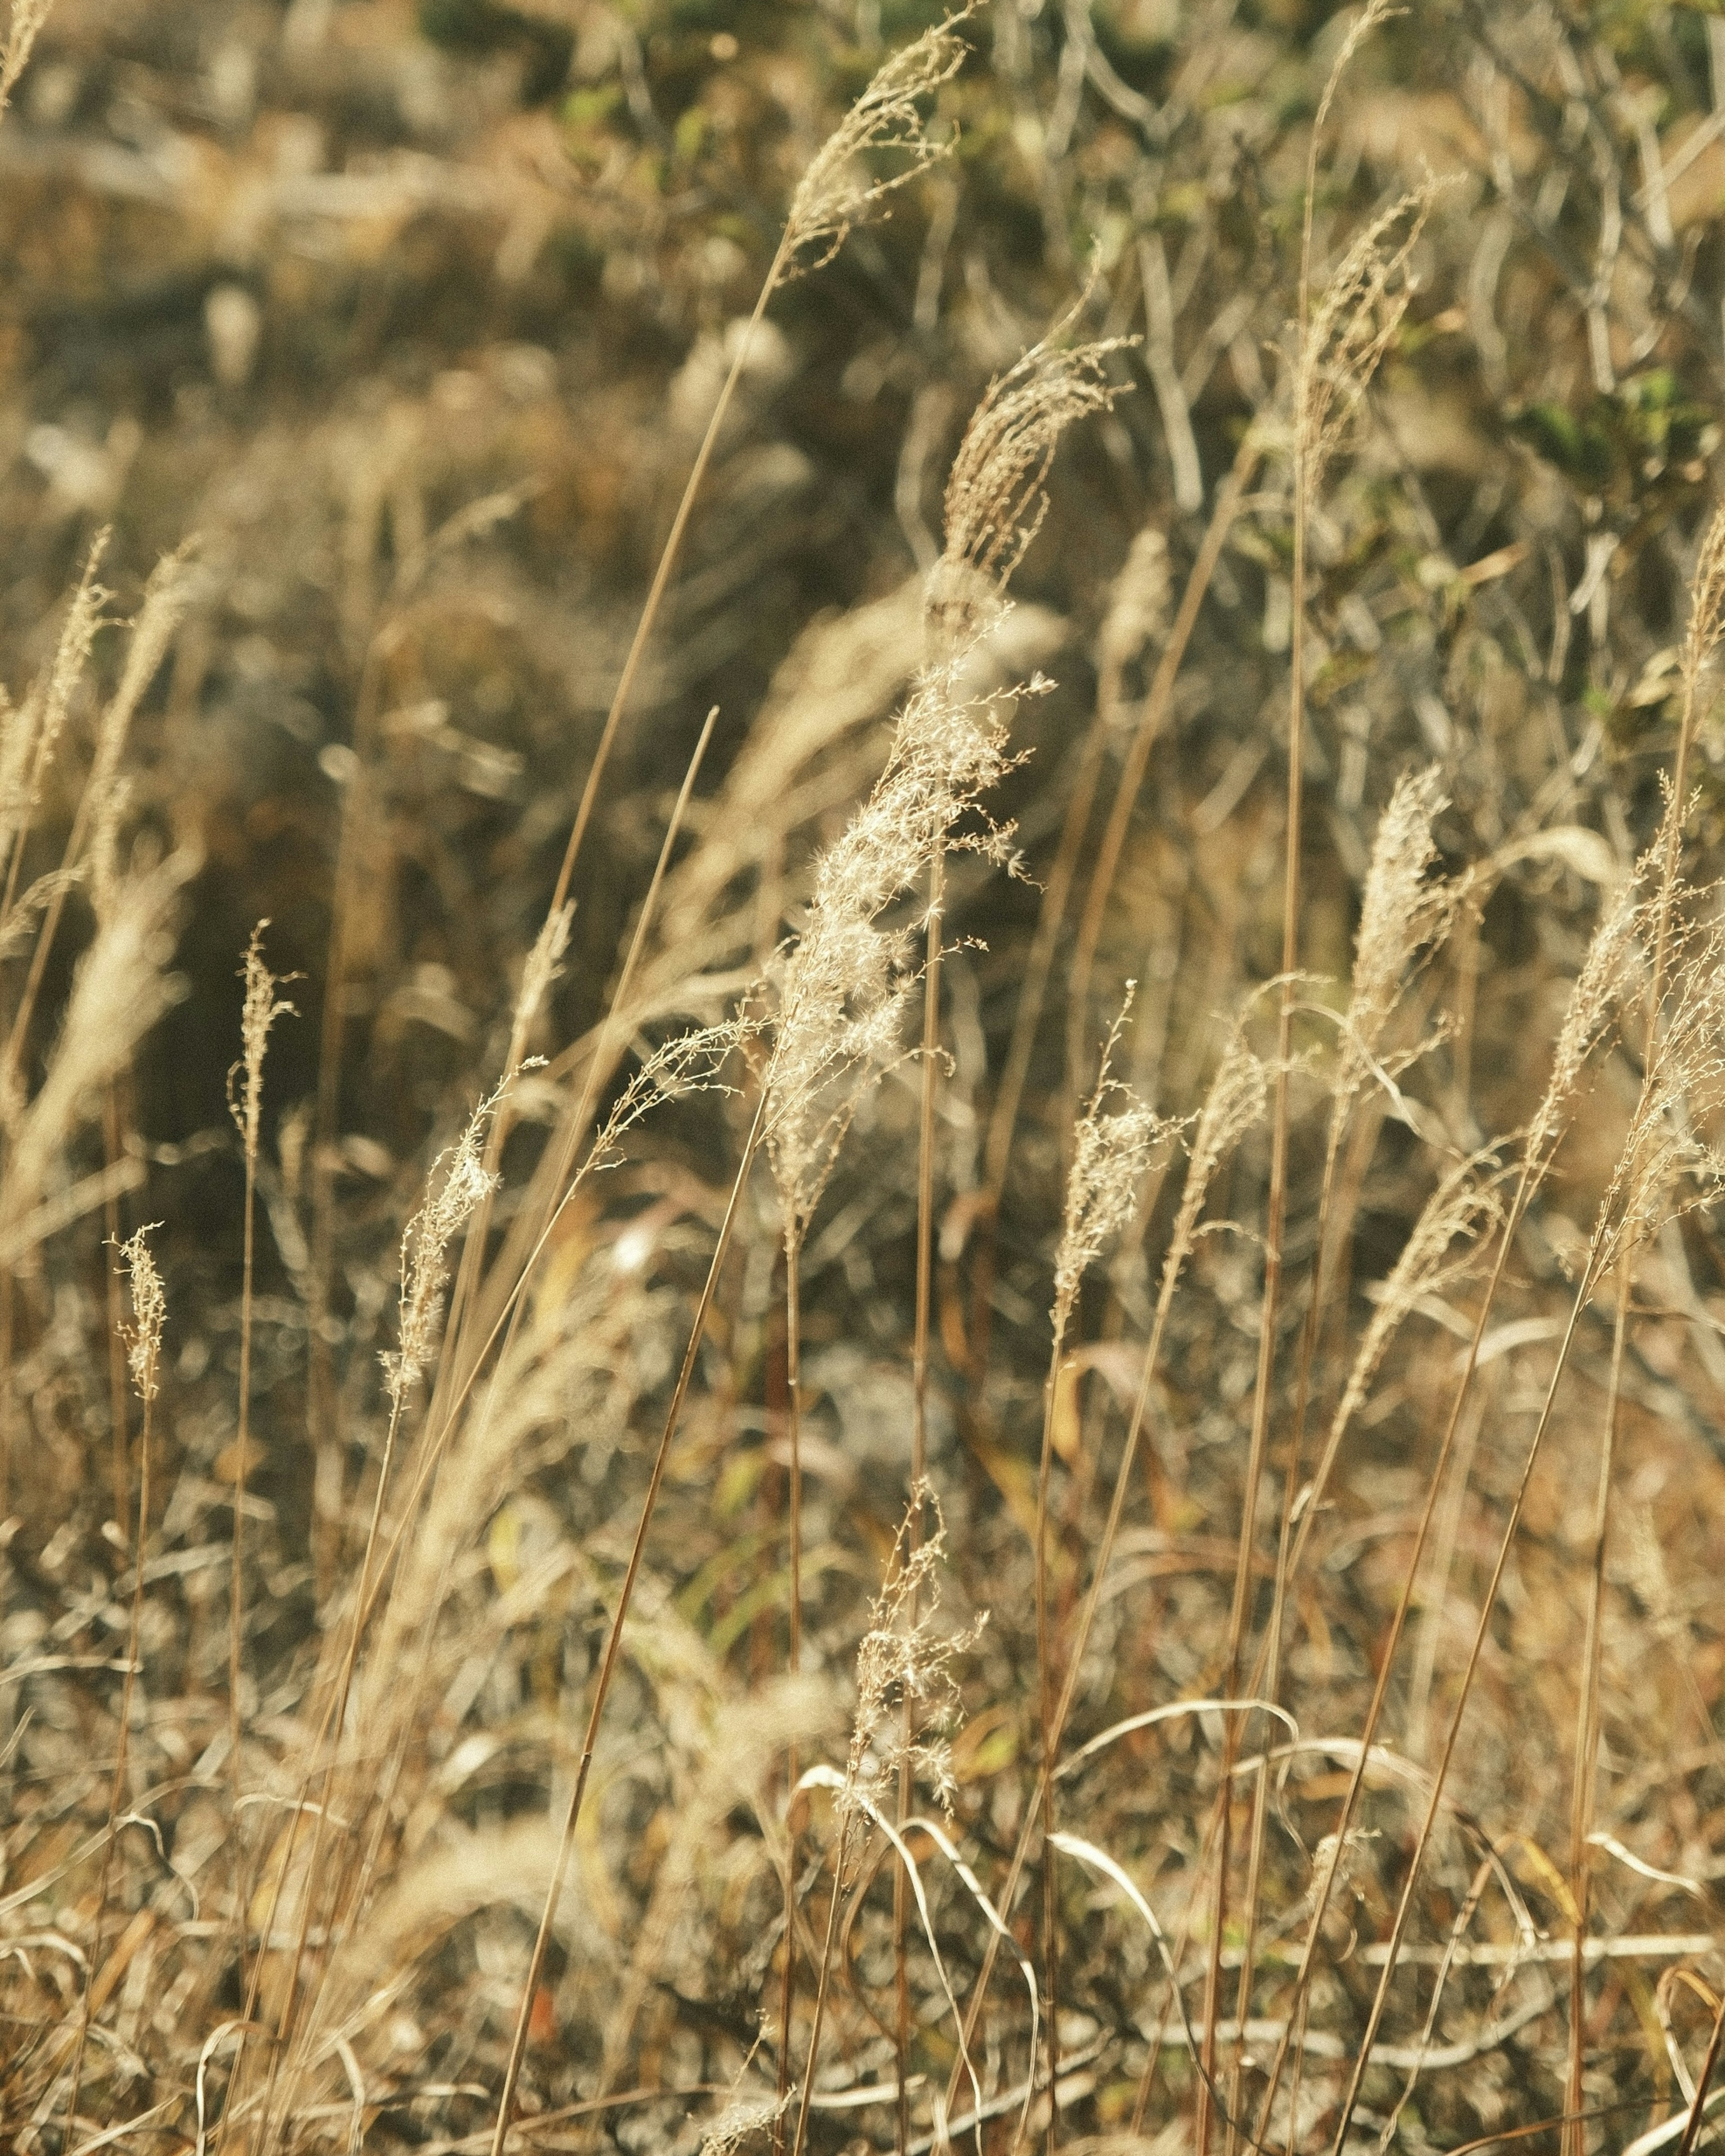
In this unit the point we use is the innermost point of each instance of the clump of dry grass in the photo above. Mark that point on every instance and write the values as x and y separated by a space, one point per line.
611 1470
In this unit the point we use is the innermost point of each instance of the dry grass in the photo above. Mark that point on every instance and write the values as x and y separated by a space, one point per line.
969 1282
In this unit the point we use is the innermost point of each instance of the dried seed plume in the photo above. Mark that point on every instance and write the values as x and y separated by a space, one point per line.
837 191
1112 1144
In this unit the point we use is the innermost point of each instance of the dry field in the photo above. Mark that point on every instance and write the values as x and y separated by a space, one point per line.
862 1076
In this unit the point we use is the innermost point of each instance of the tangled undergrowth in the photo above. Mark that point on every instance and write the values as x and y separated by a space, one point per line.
929 1353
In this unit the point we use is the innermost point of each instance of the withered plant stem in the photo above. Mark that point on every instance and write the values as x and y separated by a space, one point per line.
793 1654
919 1441
122 1750
614 1640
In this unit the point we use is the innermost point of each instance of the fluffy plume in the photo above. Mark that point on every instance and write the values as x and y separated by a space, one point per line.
1706 608
120 988
904 1656
1352 326
259 1012
1238 1096
845 984
459 1183
1461 1211
837 191
165 597
1404 909
1112 1144
149 1311
543 968
1607 974
995 503
1666 1167
31 732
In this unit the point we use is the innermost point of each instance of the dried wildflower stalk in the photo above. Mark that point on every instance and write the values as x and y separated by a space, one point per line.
1608 969
259 1009
458 1181
1337 350
1654 1165
143 1345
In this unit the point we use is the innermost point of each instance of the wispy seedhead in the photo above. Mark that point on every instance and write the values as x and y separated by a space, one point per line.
259 1012
167 596
459 1184
1404 910
120 988
1238 1097
1459 1213
1707 602
543 968
904 1656
837 191
24 23
995 503
149 1311
1352 326
1668 1165
1113 1143
29 734
1607 974
844 985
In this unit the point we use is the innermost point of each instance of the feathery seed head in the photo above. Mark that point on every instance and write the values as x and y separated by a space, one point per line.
836 192
1668 1166
1404 909
904 1656
1110 1154
26 20
149 1310
1352 326
259 1012
1607 976
460 1184
995 502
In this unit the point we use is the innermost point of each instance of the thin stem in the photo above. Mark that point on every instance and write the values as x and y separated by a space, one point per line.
1405 1907
821 1984
1045 1692
112 1141
121 1763
607 1665
1587 1732
793 1658
919 1440
242 1443
661 578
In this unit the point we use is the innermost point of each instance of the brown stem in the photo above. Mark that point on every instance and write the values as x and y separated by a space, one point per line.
607 1665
